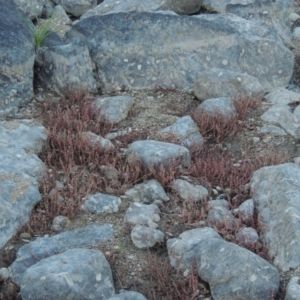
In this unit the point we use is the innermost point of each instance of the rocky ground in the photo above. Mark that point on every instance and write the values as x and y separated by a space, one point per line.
133 268
148 271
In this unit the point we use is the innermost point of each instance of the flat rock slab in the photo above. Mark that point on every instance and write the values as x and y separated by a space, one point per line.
74 274
41 248
276 193
154 153
232 272
145 50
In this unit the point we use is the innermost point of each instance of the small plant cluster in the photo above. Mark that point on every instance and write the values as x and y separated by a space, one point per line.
40 31
217 128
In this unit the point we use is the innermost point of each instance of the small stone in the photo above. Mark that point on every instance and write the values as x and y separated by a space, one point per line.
59 223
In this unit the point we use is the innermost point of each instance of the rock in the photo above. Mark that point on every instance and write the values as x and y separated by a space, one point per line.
232 272
76 7
281 114
47 10
276 192
134 61
228 84
59 223
144 237
17 59
31 8
73 274
4 274
154 153
186 130
102 203
59 16
246 210
19 193
272 14
142 214
147 192
97 141
247 237
65 66
114 109
282 96
29 254
128 296
293 289
112 6
22 134
222 106
220 216
189 192
20 170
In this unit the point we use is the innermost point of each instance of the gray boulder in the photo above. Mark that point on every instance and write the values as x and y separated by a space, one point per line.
293 289
273 14
147 192
186 130
17 59
114 109
142 214
127 49
144 237
74 274
65 66
154 153
222 106
76 7
20 169
189 192
31 253
232 272
216 83
101 203
276 192
112 6
282 96
247 236
282 114
19 193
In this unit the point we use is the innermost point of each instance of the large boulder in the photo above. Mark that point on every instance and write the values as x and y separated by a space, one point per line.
74 274
232 272
276 193
273 14
112 6
146 50
17 59
65 65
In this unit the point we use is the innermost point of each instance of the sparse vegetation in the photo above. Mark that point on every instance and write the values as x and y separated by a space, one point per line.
75 163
